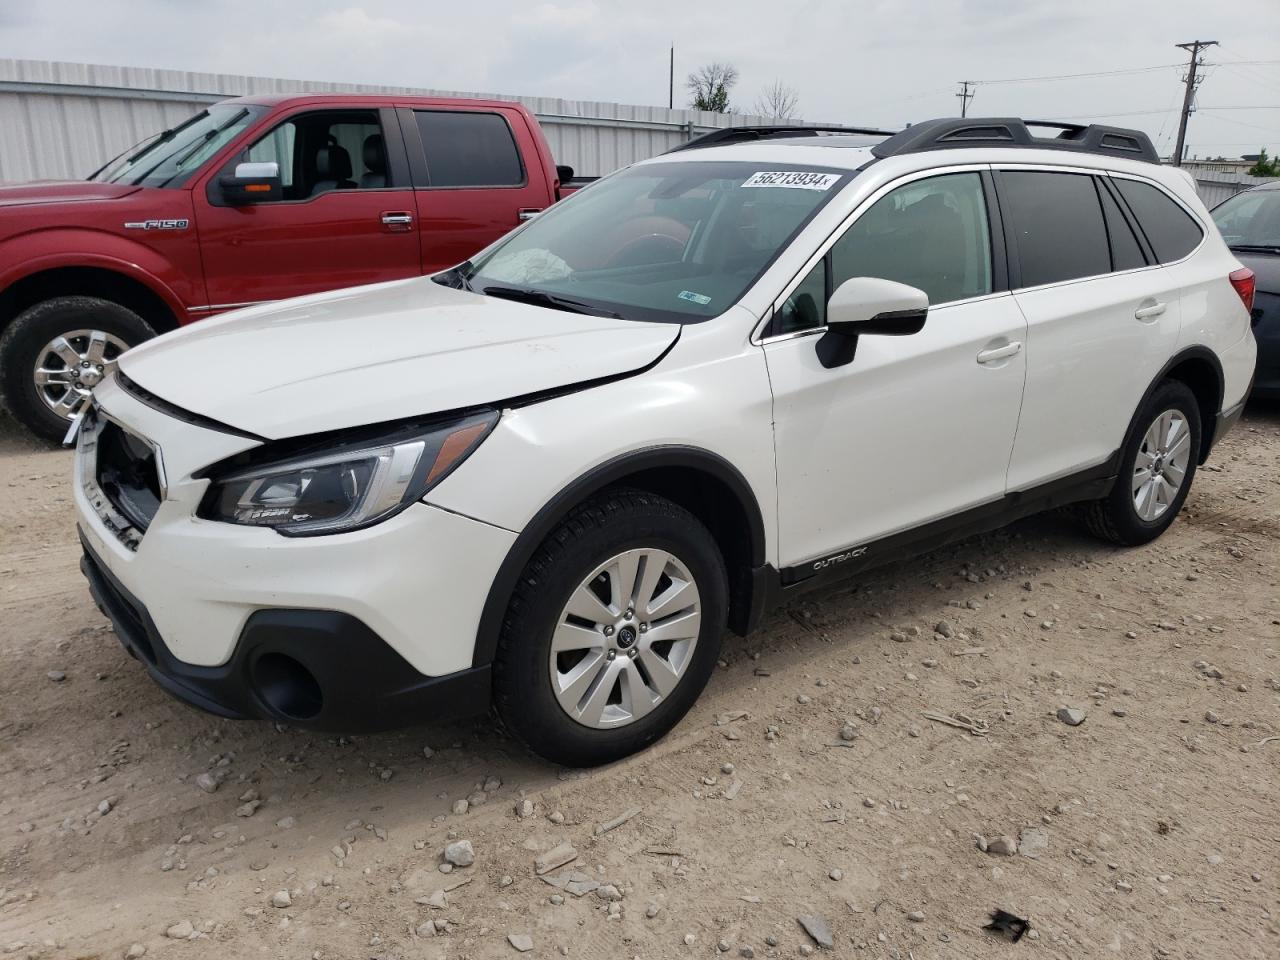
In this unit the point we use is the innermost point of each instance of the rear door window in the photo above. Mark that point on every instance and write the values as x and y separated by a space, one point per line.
1126 253
469 149
1170 230
1058 225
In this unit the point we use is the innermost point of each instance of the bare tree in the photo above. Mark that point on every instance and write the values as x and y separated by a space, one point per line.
778 102
710 85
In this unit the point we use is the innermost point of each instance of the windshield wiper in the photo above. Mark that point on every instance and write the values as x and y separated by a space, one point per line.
1255 247
543 299
458 277
197 147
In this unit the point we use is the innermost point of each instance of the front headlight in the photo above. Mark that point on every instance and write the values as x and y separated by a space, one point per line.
339 490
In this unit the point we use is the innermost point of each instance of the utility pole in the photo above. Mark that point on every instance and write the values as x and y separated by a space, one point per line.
965 96
1188 98
671 81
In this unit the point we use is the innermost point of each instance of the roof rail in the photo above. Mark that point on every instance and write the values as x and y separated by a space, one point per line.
727 135
956 132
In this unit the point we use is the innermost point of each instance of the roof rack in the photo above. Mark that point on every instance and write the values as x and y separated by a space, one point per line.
955 132
719 138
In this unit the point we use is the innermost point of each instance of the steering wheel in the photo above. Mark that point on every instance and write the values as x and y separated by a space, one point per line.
649 249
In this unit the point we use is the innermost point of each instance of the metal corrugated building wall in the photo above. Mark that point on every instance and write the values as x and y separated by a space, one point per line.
1216 182
64 120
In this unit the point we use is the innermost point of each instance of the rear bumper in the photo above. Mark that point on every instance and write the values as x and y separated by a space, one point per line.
319 669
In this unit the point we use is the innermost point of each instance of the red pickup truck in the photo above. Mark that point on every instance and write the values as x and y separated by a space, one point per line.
253 199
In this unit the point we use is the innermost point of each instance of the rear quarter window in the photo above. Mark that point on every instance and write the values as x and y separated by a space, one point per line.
1170 230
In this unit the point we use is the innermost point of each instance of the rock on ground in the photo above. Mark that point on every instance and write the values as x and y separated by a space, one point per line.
521 941
460 853
818 928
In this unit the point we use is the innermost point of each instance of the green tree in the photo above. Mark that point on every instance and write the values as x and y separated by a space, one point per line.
710 86
1265 167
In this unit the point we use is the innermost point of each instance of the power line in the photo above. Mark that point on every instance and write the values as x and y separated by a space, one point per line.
1107 116
965 96
1243 123
1078 76
1255 79
1188 97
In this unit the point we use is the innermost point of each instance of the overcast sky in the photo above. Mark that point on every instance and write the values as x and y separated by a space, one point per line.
852 61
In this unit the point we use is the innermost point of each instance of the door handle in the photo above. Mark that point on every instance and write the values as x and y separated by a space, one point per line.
397 220
992 354
1149 312
528 213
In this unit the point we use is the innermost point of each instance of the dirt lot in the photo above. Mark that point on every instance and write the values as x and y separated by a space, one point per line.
1150 830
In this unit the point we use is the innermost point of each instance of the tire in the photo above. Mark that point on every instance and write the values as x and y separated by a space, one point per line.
618 525
26 342
1118 517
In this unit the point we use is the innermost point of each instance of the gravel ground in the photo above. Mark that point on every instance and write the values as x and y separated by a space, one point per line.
813 793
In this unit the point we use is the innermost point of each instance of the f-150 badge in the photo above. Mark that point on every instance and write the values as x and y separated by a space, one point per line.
157 224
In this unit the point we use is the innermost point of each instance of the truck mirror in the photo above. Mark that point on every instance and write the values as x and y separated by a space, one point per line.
252 183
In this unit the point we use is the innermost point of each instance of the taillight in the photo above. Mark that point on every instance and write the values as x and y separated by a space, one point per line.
1245 283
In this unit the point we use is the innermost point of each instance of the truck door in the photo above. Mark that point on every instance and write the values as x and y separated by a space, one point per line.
477 176
346 216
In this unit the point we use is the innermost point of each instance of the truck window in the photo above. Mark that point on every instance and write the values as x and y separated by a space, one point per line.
324 151
469 149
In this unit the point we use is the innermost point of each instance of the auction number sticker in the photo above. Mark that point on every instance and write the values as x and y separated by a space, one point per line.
793 179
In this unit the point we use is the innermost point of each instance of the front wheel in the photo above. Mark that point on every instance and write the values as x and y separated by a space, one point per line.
1156 469
53 354
612 631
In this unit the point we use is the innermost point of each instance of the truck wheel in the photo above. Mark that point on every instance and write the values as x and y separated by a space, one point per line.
612 631
1156 470
53 354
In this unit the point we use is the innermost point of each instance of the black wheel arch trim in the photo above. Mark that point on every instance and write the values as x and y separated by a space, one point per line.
1209 435
591 482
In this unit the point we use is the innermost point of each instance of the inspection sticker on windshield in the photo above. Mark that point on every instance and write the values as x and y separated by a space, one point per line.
793 179
701 299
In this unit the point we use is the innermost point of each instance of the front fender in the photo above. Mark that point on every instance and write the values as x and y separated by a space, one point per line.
151 262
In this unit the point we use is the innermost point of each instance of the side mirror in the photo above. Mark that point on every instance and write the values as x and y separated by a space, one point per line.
869 306
252 183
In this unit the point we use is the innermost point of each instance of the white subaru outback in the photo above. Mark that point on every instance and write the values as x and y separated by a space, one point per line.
549 478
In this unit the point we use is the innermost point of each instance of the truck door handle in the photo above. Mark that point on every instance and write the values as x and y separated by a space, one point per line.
528 213
992 354
1150 311
397 220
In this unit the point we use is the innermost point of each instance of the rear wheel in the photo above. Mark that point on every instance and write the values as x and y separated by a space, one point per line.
54 353
613 629
1156 469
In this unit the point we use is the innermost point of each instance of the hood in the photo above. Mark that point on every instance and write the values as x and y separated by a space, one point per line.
62 191
373 354
1265 267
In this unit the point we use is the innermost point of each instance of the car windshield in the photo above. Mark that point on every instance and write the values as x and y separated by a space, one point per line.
166 159
673 241
1250 219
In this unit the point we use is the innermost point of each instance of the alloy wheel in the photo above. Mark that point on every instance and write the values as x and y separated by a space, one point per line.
69 366
625 638
1161 465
